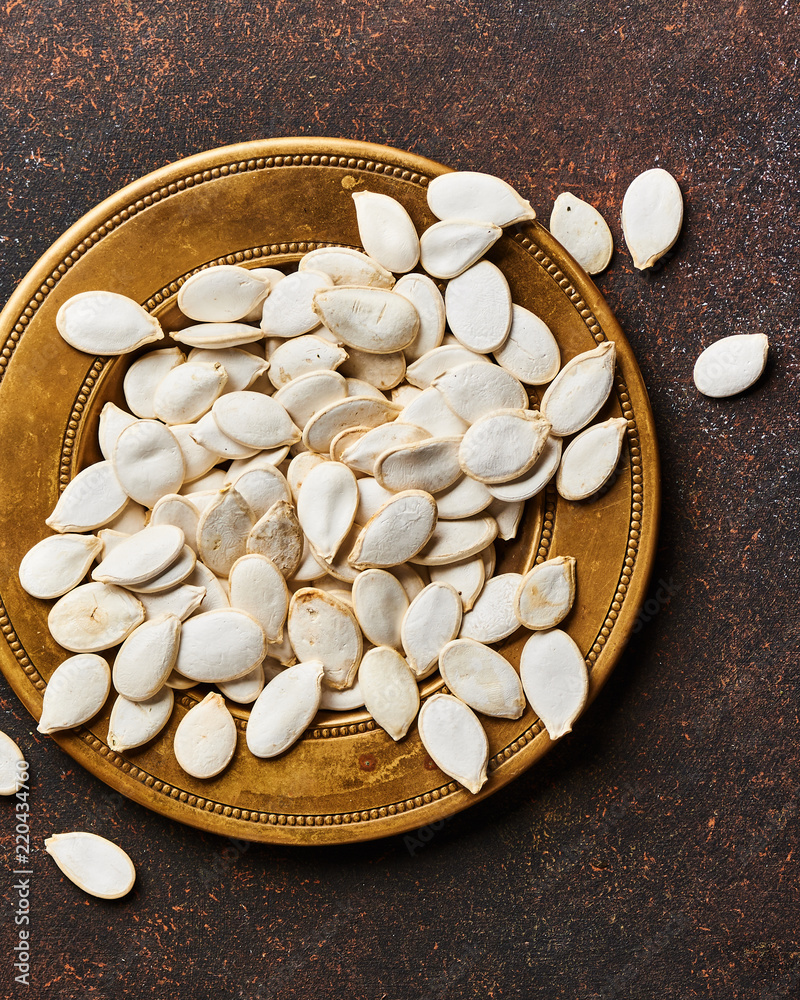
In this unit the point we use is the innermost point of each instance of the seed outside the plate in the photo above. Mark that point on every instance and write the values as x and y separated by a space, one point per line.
652 216
583 231
93 863
731 365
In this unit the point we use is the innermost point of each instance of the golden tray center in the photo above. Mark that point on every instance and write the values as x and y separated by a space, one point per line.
267 203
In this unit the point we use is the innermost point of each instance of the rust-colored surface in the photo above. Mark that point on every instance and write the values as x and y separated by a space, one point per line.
654 851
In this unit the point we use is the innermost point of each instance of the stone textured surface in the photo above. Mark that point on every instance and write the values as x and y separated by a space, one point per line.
654 852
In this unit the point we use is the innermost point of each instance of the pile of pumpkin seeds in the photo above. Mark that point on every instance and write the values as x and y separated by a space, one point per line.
300 503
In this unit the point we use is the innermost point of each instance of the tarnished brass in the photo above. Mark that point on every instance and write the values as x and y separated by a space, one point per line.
266 203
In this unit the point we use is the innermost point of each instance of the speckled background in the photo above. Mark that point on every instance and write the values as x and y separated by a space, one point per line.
653 852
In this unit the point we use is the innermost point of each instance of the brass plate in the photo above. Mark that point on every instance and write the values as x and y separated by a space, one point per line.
266 203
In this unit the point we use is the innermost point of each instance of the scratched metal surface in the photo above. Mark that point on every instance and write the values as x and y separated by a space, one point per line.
654 851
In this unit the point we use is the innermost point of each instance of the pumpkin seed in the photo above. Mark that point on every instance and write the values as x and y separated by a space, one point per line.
262 488
134 723
535 480
482 679
503 445
389 689
12 766
189 391
279 652
209 435
244 690
113 421
93 863
146 658
396 532
449 248
652 216
427 300
451 541
197 460
145 375
222 531
132 519
492 617
508 517
216 596
306 394
344 439
299 467
468 194
473 391
324 627
731 365
342 701
386 231
141 556
310 568
432 620
430 465
355 411
371 496
375 320
258 587
75 693
170 577
530 352
205 740
409 579
583 231
177 682
326 506
268 460
180 601
455 740
94 616
380 602
546 593
440 360
220 645
381 371
211 335
555 679
173 509
577 394
148 462
478 307
301 355
289 312
284 709
466 577
362 454
345 266
590 459
93 498
106 323
241 367
221 294
279 537
254 420
358 387
57 564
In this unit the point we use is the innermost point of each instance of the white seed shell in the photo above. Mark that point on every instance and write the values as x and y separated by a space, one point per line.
386 231
482 678
75 693
106 323
503 445
220 645
322 627
389 690
222 531
583 231
456 741
93 498
530 352
145 375
93 863
590 459
375 320
289 312
301 355
12 766
555 679
493 617
478 307
396 532
731 365
146 658
432 620
535 480
211 335
454 540
57 564
652 216
205 740
546 593
133 723
327 506
189 391
468 194
380 602
141 556
148 462
577 394
258 587
345 266
427 300
221 294
284 709
473 391
94 616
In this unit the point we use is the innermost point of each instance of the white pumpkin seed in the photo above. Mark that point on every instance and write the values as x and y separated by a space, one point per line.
216 596
473 391
380 602
345 266
177 682
432 620
93 498
106 323
449 248
430 465
455 740
146 658
299 468
113 421
344 439
145 375
93 863
180 601
75 693
258 587
220 645
189 391
148 462
12 766
652 216
389 689
430 411
381 371
482 679
355 411
173 575
205 740
323 627
731 365
371 496
327 506
468 194
208 434
141 556
493 617
57 564
410 579
577 394
134 723
375 320
440 360
546 593
180 512
358 387
241 367
197 460
211 335
396 532
254 420
590 459
362 454
427 300
478 307
244 690
277 535
535 480
451 541
508 517
203 491
503 445
301 355
284 709
310 568
306 394
268 460
339 567
342 701
583 231
109 539
261 488
555 679
466 577
530 352
281 653
132 519
289 311
386 231
94 616
223 530
221 294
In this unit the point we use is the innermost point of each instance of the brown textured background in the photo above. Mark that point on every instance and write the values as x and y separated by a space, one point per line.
653 852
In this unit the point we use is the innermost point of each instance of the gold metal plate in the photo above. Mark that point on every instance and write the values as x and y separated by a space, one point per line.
266 203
